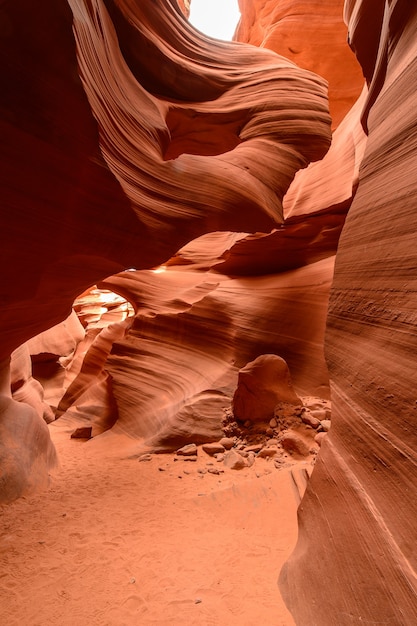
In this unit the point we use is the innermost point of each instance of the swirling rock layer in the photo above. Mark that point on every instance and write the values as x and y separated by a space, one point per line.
169 138
174 367
126 134
357 521
313 35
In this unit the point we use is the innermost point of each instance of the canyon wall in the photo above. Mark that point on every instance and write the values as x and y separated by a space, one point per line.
129 141
313 35
357 521
125 135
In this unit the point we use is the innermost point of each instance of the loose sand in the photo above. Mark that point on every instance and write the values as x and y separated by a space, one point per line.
122 542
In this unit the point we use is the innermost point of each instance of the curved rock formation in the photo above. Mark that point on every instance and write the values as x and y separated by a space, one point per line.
357 520
170 135
174 368
25 388
167 135
313 35
145 120
26 450
185 7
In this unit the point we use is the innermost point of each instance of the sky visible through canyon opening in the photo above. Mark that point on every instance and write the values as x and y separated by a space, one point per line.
216 18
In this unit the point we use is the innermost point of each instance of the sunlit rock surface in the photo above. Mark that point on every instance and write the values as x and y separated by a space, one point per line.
313 35
357 520
185 7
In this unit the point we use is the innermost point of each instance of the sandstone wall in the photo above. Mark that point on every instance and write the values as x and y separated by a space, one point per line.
357 520
125 135
313 35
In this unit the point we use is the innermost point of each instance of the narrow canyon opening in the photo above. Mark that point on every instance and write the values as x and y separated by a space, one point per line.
216 18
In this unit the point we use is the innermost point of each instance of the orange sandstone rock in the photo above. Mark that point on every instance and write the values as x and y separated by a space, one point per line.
126 134
262 384
357 519
313 35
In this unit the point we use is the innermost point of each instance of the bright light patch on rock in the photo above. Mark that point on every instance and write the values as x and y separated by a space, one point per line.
216 18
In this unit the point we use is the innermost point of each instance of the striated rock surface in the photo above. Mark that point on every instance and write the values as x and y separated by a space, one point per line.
185 7
357 520
144 141
313 35
126 134
174 367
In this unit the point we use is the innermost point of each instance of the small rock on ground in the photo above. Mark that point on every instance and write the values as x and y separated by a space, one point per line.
310 420
325 424
84 432
319 438
188 450
234 460
215 470
227 443
145 457
267 452
320 414
213 448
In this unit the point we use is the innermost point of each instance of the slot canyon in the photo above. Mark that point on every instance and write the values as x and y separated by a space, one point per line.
208 319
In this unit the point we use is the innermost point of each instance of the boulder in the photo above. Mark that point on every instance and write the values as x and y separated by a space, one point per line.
262 384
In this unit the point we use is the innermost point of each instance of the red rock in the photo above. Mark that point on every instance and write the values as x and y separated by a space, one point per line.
255 448
24 467
363 488
319 414
213 448
128 167
60 340
319 438
295 443
234 460
263 383
326 425
266 453
227 443
308 418
24 387
305 32
164 347
185 7
188 450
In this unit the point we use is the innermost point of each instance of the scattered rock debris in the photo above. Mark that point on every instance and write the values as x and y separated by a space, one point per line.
294 434
234 460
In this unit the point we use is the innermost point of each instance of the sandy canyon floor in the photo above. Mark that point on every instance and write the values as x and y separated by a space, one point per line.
115 543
